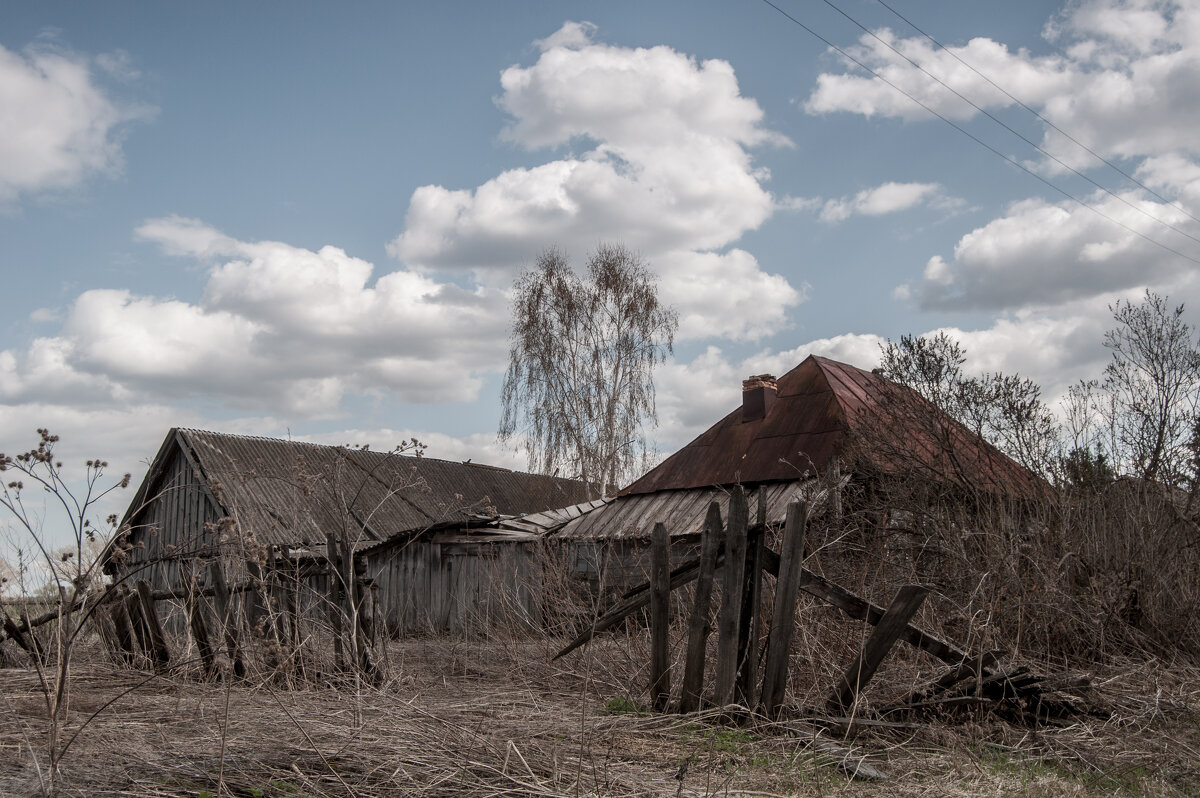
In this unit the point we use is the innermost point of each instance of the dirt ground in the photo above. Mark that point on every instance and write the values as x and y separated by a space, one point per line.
501 719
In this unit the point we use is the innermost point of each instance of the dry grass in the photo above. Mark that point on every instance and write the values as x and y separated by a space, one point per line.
498 718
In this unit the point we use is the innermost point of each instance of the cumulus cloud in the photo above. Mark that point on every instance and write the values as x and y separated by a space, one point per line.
57 123
1034 79
883 199
1127 86
1041 253
659 162
725 295
278 327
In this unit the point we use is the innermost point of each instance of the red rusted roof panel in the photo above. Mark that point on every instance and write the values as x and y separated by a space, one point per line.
819 405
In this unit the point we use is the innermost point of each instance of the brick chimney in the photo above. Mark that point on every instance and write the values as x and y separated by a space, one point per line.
758 395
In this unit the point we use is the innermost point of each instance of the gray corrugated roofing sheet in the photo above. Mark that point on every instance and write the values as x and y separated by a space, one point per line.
549 521
632 516
292 492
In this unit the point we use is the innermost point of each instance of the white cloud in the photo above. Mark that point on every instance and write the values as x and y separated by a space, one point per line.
1035 80
726 295
659 164
883 199
572 35
278 327
1128 86
1042 254
57 124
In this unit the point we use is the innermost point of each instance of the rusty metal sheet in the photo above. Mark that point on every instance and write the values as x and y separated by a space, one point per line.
819 405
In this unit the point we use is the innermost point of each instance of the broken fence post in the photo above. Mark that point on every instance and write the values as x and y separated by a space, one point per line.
126 643
224 607
698 627
748 631
137 619
886 632
660 617
159 653
731 597
196 623
783 616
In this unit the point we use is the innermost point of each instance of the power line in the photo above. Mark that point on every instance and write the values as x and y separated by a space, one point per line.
1010 129
1050 124
980 141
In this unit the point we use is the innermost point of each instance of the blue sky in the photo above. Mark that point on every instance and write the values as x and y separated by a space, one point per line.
302 218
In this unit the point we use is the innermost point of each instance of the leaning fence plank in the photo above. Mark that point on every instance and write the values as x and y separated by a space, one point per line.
126 644
14 633
159 653
748 631
698 627
852 605
887 631
660 617
224 607
137 619
731 598
198 626
783 616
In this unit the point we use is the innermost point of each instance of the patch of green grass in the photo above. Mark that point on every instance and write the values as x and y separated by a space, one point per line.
723 739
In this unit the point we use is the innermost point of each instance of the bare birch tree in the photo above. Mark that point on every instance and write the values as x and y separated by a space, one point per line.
579 388
1006 410
1153 380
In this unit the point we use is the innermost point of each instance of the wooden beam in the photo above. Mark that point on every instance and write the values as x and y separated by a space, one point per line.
783 616
137 619
160 654
125 639
889 629
731 598
224 607
748 631
852 605
699 628
660 618
14 633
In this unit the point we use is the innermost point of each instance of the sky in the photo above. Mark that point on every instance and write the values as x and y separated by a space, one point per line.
305 219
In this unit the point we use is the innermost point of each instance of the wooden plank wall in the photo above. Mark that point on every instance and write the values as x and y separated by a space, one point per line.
428 587
172 525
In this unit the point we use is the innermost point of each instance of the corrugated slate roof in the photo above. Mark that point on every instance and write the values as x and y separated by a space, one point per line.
293 493
819 405
632 517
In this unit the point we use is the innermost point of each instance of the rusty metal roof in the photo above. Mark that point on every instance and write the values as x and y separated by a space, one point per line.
821 406
293 493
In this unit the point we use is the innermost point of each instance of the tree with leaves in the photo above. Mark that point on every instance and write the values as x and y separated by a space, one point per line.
579 388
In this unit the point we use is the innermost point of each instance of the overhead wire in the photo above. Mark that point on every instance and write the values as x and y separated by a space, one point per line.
980 141
1041 118
1008 127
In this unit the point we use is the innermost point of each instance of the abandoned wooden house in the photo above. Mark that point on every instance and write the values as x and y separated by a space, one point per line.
820 429
270 508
